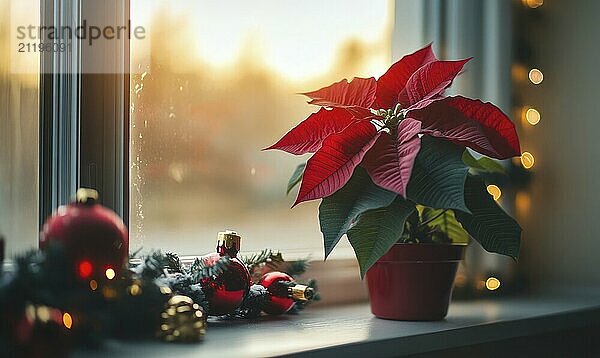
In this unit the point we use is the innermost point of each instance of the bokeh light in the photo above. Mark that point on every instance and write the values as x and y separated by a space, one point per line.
492 284
67 320
110 273
518 72
494 191
532 116
135 290
533 4
523 203
527 160
536 76
85 269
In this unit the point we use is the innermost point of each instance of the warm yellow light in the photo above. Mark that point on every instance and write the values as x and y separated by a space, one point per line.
258 41
30 312
527 160
494 191
109 292
536 76
518 72
135 290
533 3
67 320
533 116
460 280
492 284
43 313
93 285
523 202
110 273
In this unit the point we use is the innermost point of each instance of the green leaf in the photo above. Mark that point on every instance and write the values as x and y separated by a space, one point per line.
438 176
483 164
377 230
296 177
444 220
338 211
488 223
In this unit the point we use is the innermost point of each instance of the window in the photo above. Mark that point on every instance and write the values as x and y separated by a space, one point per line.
210 85
213 84
19 87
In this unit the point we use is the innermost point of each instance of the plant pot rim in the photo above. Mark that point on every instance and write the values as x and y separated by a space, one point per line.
423 253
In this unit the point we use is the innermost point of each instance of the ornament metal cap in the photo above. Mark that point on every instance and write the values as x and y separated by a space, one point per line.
301 292
86 195
228 242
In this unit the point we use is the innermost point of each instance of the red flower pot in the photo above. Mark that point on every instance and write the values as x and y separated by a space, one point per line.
413 282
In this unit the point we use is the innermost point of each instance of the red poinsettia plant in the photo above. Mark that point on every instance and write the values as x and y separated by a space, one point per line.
391 165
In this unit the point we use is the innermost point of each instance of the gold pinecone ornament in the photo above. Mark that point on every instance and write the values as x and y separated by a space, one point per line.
182 321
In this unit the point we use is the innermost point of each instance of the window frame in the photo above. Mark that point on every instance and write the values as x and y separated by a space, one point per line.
84 117
74 126
58 108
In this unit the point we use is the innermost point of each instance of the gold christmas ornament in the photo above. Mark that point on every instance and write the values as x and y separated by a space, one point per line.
182 321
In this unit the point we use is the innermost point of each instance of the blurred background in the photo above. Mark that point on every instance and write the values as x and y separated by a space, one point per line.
19 126
221 84
215 82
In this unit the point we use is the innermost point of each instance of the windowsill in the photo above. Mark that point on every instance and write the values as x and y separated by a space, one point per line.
352 330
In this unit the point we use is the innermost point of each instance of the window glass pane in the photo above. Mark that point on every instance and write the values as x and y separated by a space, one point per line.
213 84
19 81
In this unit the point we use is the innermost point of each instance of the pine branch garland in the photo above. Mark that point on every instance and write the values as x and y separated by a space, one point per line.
46 278
257 258
253 304
200 269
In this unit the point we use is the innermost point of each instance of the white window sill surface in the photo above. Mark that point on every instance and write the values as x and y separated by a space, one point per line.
351 330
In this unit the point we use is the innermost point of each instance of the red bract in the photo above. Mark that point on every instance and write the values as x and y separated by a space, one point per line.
360 92
381 120
390 161
394 80
472 123
356 96
333 164
429 81
308 136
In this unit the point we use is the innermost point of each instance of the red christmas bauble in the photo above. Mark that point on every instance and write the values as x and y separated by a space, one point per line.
94 237
226 291
279 302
